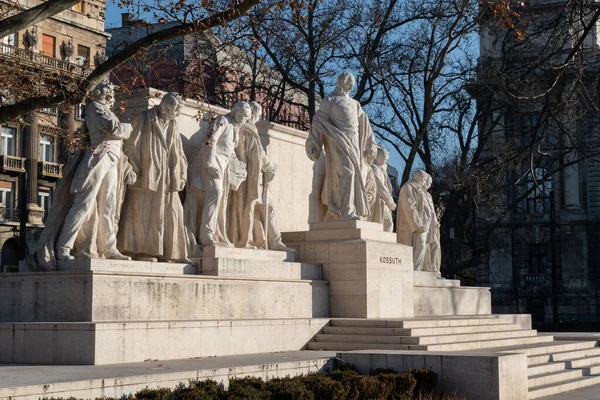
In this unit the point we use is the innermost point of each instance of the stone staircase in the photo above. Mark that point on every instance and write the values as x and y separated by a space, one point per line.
554 366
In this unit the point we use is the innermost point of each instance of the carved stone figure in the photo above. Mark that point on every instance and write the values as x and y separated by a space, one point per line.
152 222
99 58
384 203
30 40
248 205
67 50
208 186
341 127
83 216
433 252
416 223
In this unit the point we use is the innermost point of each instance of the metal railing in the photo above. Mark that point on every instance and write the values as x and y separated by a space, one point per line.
50 169
536 277
41 59
12 163
11 214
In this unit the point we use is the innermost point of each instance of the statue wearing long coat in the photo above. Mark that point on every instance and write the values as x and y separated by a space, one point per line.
152 221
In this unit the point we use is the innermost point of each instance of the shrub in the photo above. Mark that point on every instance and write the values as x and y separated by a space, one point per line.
426 380
288 389
324 387
154 394
250 388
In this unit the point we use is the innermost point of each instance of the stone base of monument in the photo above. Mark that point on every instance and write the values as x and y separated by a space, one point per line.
438 296
105 311
369 274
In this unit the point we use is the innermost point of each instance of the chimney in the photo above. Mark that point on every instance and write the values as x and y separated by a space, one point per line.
126 19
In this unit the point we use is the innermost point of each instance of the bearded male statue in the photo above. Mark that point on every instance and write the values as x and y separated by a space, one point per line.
341 128
152 226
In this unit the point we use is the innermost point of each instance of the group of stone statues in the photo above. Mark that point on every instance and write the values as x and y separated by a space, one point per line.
356 183
120 198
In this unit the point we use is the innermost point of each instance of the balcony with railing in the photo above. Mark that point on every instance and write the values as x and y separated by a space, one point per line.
37 59
50 169
9 214
12 164
536 277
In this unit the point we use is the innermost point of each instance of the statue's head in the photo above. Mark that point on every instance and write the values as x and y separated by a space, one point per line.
256 111
345 82
241 112
170 106
382 156
423 178
104 93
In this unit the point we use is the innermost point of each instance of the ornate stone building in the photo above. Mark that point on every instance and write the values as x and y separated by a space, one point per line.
65 46
540 239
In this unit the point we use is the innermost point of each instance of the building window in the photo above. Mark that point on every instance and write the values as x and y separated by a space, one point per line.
79 7
8 41
80 111
49 45
83 54
44 199
538 258
8 141
46 148
7 194
50 110
539 187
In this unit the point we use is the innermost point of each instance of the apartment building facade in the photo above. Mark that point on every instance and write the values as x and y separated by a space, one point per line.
34 149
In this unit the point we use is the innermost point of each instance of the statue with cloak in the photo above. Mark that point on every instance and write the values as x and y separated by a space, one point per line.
341 129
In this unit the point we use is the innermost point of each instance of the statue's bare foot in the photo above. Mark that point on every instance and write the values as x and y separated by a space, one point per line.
279 246
63 253
146 257
115 255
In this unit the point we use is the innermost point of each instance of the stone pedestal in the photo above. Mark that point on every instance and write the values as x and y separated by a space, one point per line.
369 274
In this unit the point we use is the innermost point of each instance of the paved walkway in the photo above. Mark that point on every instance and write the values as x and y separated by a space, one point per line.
588 393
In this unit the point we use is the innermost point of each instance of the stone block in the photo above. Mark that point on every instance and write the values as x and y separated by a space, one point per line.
349 224
99 343
232 267
476 375
162 268
246 254
460 300
103 296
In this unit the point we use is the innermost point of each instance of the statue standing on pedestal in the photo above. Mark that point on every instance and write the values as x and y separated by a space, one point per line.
247 207
417 224
341 127
384 204
208 186
152 222
86 200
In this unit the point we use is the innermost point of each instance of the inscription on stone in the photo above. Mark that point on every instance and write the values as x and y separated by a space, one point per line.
389 260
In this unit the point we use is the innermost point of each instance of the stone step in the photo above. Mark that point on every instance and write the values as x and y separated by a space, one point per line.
145 267
233 267
420 331
341 346
583 362
424 340
545 367
543 349
297 238
488 344
424 322
564 386
246 254
569 355
554 377
426 278
591 370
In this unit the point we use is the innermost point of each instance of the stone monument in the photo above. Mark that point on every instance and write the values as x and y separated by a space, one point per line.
342 129
86 201
384 204
208 187
152 222
252 220
417 224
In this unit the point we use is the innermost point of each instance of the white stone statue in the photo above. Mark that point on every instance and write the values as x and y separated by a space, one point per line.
384 203
83 216
416 223
247 206
152 222
341 127
67 50
208 185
